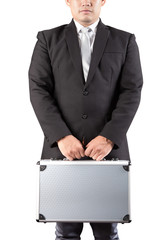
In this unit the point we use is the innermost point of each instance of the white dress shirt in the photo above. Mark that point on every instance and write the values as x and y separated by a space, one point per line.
92 33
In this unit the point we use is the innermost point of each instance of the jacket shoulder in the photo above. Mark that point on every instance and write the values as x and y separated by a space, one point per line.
49 32
52 34
119 32
119 39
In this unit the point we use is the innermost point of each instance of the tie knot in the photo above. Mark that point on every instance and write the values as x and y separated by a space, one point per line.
85 29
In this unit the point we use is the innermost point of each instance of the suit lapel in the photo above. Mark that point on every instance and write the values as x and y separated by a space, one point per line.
98 49
74 49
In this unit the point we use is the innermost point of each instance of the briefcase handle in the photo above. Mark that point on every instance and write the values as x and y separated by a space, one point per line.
104 159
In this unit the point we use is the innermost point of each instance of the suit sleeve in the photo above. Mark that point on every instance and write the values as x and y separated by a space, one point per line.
130 85
41 86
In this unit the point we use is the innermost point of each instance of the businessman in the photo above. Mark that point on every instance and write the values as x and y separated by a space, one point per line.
85 82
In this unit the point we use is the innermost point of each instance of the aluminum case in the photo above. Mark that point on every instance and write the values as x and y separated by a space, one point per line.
83 191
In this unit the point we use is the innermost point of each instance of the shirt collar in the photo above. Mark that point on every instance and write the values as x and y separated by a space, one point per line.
92 26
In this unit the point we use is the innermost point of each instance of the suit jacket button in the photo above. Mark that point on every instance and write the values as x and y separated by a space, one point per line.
85 93
84 116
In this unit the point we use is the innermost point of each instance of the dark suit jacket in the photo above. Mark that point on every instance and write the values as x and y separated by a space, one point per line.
65 104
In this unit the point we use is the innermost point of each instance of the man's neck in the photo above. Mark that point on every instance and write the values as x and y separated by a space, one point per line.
86 24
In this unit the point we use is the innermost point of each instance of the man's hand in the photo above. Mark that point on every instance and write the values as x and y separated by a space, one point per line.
98 148
71 147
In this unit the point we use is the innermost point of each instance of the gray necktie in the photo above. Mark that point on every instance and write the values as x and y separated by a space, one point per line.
85 50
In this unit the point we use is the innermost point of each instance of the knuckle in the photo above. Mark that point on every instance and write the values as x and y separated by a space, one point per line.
71 151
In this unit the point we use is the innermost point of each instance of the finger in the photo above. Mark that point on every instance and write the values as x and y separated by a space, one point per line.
69 157
77 155
88 151
95 156
93 153
82 153
79 152
99 158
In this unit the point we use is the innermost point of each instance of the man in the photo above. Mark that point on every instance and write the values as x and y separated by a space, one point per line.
85 85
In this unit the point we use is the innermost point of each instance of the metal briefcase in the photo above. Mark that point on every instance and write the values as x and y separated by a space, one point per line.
83 191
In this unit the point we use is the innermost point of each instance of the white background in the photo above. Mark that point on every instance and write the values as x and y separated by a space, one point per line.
21 136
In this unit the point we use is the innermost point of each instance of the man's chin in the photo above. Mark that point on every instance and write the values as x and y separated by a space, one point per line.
86 20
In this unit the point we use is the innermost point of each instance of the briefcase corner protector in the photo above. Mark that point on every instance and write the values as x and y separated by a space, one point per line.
41 218
126 218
